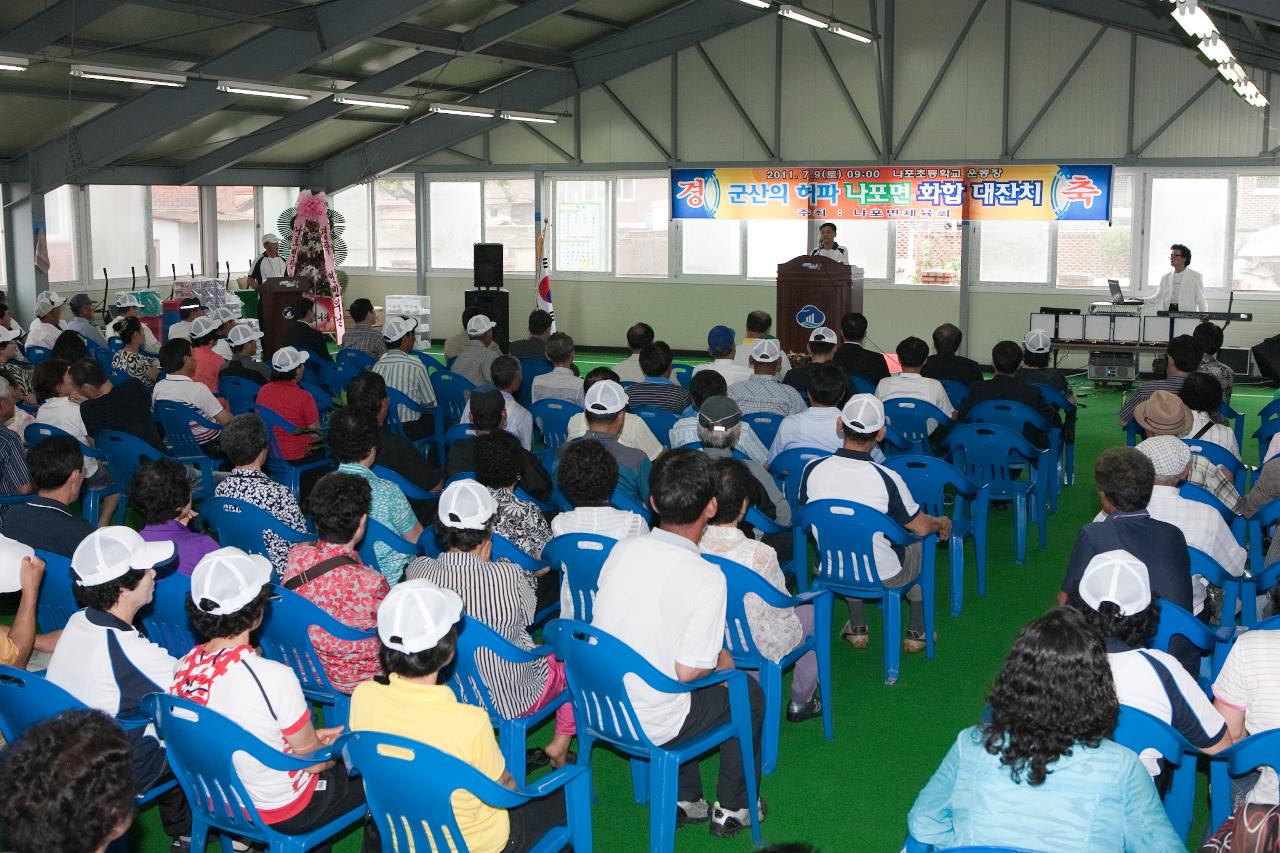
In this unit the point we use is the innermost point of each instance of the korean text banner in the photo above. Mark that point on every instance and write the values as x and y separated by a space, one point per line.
1033 192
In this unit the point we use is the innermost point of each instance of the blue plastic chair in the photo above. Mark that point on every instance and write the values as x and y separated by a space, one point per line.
659 421
357 360
35 355
531 367
552 417
1199 494
320 393
452 391
682 373
335 377
376 532
1212 571
433 364
201 747
396 399
411 491
597 663
1265 433
283 471
241 394
1059 401
57 602
912 419
957 392
1270 410
285 637
1139 730
242 525
860 385
1133 433
1246 756
1213 645
579 557
469 685
998 458
787 467
118 376
165 620
764 425
1236 419
409 786
844 532
1223 458
620 500
739 641
124 454
175 421
458 432
1267 516
90 498
1016 417
929 480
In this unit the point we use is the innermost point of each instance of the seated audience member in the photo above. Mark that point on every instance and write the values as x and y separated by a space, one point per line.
505 372
105 662
822 349
66 785
1247 695
131 359
60 407
21 571
913 355
1006 357
759 324
474 362
14 479
418 637
489 415
1115 598
204 334
853 356
125 407
6 319
1209 337
242 364
1037 345
639 336
188 312
230 592
368 393
328 573
719 421
161 496
81 321
284 397
47 325
178 387
456 343
299 332
69 347
658 390
819 425
498 464
661 598
1019 778
560 383
540 334
587 475
944 364
405 372
353 441
604 413
1164 413
851 475
1203 395
702 387
775 630
45 523
17 376
360 334
1182 357
764 391
244 441
129 307
501 595
635 432
722 351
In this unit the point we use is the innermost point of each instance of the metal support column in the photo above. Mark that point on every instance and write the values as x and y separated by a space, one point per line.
968 275
23 217
421 249
208 204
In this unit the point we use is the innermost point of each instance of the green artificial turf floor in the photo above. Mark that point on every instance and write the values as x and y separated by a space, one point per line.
853 793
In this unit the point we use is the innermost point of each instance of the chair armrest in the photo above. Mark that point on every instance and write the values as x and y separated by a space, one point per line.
763 523
810 597
552 781
277 760
129 722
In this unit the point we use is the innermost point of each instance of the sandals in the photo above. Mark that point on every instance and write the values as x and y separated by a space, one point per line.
537 758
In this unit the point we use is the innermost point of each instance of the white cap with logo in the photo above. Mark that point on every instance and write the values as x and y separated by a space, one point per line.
605 397
766 351
822 335
1037 341
12 553
242 333
7 335
47 301
416 614
863 413
128 300
286 359
466 505
1119 577
225 314
397 327
205 325
228 579
479 324
111 552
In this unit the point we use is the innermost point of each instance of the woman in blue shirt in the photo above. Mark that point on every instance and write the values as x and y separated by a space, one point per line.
1041 773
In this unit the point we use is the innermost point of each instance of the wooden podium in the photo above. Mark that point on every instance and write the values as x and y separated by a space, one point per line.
275 295
813 291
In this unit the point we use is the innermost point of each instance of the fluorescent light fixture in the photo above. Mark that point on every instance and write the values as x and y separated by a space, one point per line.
262 90
533 118
14 63
1231 71
1246 89
759 4
462 110
1215 49
848 32
1194 21
804 16
128 75
1258 100
371 101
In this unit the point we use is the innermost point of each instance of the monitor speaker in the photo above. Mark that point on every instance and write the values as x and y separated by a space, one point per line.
487 265
1237 358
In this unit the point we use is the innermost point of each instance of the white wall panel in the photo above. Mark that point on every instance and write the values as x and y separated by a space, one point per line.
710 128
817 123
1090 118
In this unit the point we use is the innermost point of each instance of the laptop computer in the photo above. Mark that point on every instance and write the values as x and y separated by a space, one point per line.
1117 295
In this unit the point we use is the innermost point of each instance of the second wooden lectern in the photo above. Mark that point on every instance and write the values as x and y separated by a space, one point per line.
814 291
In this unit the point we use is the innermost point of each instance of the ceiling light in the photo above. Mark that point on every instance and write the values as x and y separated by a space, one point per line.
534 118
14 63
848 32
759 4
1215 49
128 75
1231 71
804 16
1246 89
462 110
372 101
264 91
1258 100
1194 21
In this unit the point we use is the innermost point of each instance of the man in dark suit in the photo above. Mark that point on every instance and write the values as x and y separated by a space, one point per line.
945 364
853 357
1006 358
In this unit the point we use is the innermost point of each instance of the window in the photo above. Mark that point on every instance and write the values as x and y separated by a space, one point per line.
581 226
926 252
275 201
773 241
455 223
238 245
175 230
60 233
353 204
643 213
118 229
1255 261
1089 253
711 247
1014 251
868 245
508 219
1192 211
395 223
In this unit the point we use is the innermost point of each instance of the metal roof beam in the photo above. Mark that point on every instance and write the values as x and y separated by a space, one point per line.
57 21
451 43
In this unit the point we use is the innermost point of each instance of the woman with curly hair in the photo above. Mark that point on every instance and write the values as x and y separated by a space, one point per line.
131 359
161 494
1041 771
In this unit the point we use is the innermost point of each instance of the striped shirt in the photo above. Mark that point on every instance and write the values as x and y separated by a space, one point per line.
501 595
365 339
406 373
1173 385
1250 682
660 393
13 465
766 394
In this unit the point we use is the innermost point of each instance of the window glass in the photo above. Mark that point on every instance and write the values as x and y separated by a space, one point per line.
1192 211
455 223
238 245
1014 251
1089 253
643 215
60 233
508 219
711 247
353 204
275 201
175 230
1256 260
926 252
868 244
581 226
118 229
395 223
774 241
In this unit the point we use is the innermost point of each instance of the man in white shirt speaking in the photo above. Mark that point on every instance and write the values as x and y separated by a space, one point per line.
1181 289
827 245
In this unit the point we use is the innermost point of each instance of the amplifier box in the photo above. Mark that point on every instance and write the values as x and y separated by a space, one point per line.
1113 366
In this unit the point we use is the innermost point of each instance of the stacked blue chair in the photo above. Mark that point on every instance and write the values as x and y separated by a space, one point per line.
764 425
282 470
531 367
659 421
1138 731
1223 458
579 557
57 602
1240 759
1212 644
1007 466
241 394
787 467
242 525
175 420
915 420
165 620
90 498
1016 417
552 417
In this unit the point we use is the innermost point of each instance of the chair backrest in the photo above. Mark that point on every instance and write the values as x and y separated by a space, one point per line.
430 362
124 454
37 432
358 360
240 524
285 637
452 390
1257 750
410 491
1133 433
930 479
165 619
275 421
1055 398
659 421
375 532
1007 413
531 367
1199 494
1220 456
176 420
682 373
1265 433
623 501
57 601
580 557
1138 730
845 534
741 581
100 354
1236 420
957 392
991 454
324 400
860 385
787 467
26 698
336 376
240 393
35 355
1177 622
395 399
552 417
914 419
505 549
1208 568
468 683
458 432
764 425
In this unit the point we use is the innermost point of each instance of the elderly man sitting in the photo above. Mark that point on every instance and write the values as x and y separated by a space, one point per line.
719 430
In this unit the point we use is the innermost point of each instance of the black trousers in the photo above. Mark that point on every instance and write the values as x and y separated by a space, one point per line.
708 708
340 795
420 428
528 824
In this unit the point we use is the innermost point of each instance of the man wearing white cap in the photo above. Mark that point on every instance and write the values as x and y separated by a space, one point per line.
635 432
405 372
284 397
913 354
457 342
243 339
129 305
658 391
47 326
269 264
188 312
20 571
605 410
851 475
474 361
105 662
764 392
822 349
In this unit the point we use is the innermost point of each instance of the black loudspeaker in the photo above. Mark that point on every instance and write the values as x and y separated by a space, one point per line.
1267 356
1237 358
487 265
494 304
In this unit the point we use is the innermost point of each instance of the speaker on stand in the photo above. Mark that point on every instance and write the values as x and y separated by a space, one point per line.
489 298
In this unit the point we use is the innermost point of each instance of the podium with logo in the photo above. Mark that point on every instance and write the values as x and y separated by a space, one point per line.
814 291
275 295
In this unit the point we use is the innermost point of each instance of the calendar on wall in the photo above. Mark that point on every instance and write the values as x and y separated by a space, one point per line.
579 239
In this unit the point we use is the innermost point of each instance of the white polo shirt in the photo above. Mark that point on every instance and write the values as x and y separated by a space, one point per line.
814 427
728 368
660 597
742 355
197 395
62 413
915 387
42 334
1250 682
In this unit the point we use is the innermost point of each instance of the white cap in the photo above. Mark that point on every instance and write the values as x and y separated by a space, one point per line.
128 300
202 326
110 552
288 358
270 238
466 505
229 578
416 614
479 324
242 333
605 397
47 301
397 327
7 335
12 552
1119 577
823 335
222 348
863 413
1037 341
766 351
224 314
